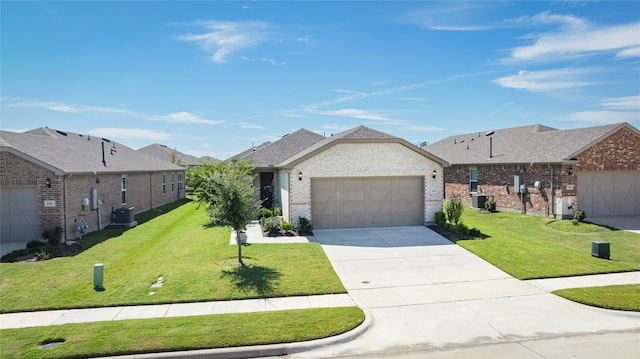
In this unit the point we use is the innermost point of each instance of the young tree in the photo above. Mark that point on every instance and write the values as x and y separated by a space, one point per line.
227 191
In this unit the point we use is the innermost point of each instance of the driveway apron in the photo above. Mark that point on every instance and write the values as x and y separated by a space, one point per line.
422 291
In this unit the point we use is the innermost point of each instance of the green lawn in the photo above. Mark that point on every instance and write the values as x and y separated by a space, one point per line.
196 261
529 247
173 334
619 297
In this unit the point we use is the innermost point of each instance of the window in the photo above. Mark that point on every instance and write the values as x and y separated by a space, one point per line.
473 179
173 188
123 189
179 181
164 183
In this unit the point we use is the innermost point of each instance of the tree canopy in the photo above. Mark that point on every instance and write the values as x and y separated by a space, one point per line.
226 188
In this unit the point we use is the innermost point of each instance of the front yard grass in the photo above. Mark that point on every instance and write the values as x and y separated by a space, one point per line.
529 247
195 260
175 334
618 297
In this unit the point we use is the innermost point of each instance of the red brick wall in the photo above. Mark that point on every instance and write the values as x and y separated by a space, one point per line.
619 151
492 180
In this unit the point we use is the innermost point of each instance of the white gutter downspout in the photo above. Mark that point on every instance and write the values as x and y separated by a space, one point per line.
64 189
553 194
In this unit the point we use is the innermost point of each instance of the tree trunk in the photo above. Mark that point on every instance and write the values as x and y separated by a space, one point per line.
239 243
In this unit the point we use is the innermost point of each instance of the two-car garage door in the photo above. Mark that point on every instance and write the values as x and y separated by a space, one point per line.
367 202
609 193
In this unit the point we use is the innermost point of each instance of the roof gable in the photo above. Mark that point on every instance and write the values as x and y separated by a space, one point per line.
164 152
69 152
361 134
526 144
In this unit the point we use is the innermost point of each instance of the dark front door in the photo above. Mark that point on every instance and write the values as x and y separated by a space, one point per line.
266 189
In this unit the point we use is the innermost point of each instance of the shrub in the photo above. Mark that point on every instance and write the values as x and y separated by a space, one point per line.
43 255
490 205
474 233
271 224
266 213
277 211
462 229
303 225
286 226
454 209
580 215
575 221
440 219
34 244
53 235
449 227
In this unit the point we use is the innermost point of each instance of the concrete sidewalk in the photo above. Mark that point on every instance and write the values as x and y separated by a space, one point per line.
56 317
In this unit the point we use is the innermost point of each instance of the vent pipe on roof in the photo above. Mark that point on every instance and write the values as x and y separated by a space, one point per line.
490 147
104 162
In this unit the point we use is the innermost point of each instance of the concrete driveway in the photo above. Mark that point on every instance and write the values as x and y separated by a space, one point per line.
423 292
624 223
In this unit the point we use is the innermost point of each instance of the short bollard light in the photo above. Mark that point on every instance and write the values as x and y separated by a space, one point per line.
98 275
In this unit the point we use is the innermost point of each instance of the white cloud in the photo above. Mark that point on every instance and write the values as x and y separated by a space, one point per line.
225 38
422 128
622 103
179 117
251 126
548 80
579 40
604 117
360 114
129 133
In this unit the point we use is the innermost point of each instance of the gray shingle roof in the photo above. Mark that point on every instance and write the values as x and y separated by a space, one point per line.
164 152
534 143
68 152
270 154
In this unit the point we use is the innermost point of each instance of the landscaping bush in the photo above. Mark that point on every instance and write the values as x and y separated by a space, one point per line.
271 224
474 233
266 213
490 205
43 255
277 211
462 229
53 235
303 225
35 244
454 209
286 226
440 219
580 215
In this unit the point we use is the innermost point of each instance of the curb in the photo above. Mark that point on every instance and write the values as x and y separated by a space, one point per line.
257 351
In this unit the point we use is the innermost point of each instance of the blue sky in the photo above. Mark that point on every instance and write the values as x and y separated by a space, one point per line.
213 78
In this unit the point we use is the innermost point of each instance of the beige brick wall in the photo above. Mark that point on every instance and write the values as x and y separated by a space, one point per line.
365 160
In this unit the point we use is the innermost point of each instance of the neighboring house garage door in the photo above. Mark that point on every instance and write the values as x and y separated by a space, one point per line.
609 193
367 202
19 217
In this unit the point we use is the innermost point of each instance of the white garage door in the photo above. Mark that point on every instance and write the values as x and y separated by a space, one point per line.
609 193
367 202
19 217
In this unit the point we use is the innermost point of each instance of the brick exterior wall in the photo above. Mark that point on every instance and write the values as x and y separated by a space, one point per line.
144 191
364 160
497 182
619 151
18 172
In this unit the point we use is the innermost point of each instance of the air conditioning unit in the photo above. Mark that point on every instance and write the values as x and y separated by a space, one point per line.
478 200
600 249
125 215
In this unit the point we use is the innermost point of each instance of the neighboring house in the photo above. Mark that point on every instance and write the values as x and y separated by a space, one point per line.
357 178
53 178
172 155
594 169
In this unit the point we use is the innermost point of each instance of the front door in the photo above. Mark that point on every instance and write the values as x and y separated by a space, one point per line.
266 189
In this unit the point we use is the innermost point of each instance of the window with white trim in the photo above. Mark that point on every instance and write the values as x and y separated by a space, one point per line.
179 181
473 179
173 184
164 183
123 189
